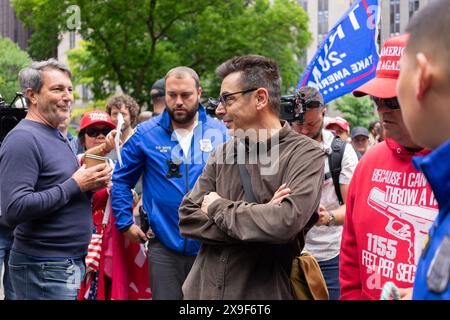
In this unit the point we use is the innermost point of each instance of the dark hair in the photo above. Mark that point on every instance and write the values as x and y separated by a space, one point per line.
256 72
123 99
372 125
427 31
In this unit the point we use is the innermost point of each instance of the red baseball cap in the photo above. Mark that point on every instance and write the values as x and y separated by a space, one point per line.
385 82
96 117
340 122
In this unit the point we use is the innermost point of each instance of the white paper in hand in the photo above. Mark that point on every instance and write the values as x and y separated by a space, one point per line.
120 122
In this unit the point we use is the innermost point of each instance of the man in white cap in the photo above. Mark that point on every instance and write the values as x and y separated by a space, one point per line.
390 207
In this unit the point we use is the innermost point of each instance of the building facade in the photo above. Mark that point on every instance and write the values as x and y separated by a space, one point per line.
11 27
324 14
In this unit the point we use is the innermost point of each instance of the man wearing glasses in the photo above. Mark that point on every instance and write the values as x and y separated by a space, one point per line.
169 151
390 206
324 239
250 234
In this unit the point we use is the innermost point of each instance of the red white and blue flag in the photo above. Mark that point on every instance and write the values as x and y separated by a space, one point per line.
348 56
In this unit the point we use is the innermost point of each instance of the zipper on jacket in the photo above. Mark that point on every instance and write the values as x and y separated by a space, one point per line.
187 177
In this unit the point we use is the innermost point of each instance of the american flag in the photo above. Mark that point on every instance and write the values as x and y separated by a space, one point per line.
94 252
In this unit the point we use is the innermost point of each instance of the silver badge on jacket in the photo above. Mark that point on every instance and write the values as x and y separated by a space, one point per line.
439 273
205 145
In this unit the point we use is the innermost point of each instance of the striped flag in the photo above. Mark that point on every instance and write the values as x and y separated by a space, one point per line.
94 252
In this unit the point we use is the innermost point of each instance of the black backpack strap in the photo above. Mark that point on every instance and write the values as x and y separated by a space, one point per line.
245 179
335 161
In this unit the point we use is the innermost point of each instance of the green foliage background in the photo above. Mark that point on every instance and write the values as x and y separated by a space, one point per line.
12 59
131 44
359 112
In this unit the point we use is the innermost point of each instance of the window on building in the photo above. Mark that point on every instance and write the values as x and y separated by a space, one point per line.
395 17
72 39
322 20
413 7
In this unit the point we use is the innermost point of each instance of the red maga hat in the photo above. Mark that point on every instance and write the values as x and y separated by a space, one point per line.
385 82
96 117
340 122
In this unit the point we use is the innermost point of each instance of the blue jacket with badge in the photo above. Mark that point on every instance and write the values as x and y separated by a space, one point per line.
433 271
154 152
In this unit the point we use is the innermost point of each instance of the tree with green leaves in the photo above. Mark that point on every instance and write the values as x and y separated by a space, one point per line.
132 44
12 59
359 112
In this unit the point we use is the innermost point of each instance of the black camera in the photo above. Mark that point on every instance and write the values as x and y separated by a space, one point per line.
211 106
173 169
293 107
9 115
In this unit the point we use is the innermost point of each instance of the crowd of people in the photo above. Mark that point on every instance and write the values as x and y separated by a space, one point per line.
176 204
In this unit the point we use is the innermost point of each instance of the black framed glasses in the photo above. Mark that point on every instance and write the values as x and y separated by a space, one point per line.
391 103
223 99
95 132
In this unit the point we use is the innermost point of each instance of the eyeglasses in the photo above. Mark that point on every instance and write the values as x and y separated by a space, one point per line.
223 99
95 132
391 103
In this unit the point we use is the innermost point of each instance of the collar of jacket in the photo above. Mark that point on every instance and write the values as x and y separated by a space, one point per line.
267 144
166 123
402 152
435 167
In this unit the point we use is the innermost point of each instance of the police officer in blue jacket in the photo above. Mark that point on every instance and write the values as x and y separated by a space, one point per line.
424 95
170 151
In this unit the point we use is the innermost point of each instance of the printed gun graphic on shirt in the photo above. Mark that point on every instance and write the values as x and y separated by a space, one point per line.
401 217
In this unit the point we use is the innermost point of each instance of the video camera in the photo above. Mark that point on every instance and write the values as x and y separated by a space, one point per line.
211 106
292 108
10 116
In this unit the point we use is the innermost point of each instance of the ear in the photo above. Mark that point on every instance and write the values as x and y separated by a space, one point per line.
262 96
199 92
424 77
31 95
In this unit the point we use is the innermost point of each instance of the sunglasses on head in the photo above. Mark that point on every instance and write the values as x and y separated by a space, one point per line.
391 103
95 132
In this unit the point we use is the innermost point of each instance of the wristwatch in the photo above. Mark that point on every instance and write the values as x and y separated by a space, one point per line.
332 221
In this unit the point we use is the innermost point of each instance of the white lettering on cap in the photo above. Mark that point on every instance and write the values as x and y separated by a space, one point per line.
392 51
390 65
97 116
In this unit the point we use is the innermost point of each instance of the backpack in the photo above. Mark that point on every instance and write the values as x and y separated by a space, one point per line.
334 161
